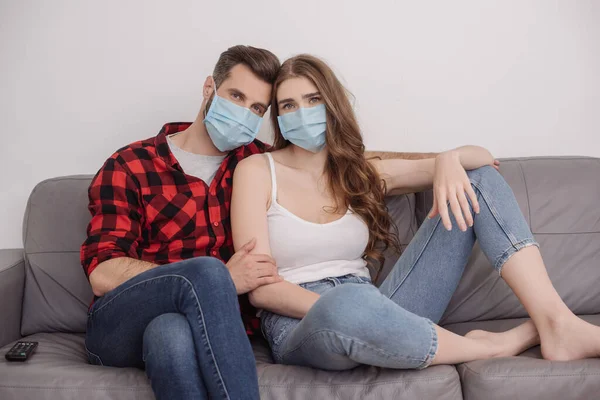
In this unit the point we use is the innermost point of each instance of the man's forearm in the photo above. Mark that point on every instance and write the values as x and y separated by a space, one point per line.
111 273
284 298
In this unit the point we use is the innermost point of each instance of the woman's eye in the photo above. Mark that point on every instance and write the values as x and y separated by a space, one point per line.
314 100
287 106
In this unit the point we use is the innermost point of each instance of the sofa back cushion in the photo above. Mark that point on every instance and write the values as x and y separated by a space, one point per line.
402 210
57 292
559 197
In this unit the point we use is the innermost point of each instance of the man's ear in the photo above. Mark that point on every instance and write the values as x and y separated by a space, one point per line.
208 88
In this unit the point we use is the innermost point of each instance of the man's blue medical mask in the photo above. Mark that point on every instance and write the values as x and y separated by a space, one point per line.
229 125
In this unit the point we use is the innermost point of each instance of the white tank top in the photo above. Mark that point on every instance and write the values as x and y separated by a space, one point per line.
306 251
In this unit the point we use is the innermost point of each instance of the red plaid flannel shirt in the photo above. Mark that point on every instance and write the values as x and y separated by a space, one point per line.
143 206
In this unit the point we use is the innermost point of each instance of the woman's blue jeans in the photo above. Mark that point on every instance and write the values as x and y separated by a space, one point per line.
392 326
181 322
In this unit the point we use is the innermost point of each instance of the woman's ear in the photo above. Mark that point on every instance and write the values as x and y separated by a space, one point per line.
208 88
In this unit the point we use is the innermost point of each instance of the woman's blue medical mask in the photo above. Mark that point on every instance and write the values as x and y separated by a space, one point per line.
229 125
305 127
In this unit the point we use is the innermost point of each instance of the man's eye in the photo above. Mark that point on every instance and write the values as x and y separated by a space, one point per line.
235 96
257 109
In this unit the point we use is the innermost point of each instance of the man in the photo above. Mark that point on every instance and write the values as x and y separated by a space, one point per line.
160 234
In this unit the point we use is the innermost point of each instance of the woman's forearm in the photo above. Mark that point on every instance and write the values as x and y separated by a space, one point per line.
473 157
284 298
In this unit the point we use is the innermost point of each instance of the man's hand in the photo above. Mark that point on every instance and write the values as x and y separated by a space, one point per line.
250 271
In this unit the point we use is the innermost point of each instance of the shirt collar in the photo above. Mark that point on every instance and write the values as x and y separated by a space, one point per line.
162 146
164 152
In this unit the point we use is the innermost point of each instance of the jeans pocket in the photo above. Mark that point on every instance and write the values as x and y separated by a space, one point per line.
267 320
276 328
355 279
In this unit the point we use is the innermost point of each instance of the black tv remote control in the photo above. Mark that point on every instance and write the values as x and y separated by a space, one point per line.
21 351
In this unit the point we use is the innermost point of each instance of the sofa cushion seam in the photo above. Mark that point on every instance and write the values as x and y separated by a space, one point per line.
485 376
104 388
14 265
441 379
526 194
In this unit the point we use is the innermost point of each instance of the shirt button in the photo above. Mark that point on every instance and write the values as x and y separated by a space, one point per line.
216 224
214 252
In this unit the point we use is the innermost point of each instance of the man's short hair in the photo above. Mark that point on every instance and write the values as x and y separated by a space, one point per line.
261 62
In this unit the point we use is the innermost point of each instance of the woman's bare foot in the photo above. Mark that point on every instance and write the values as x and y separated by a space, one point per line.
509 343
568 337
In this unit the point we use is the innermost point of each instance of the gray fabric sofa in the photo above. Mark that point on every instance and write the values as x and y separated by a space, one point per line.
44 296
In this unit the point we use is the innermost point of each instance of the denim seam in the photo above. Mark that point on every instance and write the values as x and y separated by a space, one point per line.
205 334
94 354
494 212
416 259
432 349
506 255
330 331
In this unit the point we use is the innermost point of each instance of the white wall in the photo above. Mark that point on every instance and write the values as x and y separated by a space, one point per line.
80 79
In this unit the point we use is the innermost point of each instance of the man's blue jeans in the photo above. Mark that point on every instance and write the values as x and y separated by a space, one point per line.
181 322
355 323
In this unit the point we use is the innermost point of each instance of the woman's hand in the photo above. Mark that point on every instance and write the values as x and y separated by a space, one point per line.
452 185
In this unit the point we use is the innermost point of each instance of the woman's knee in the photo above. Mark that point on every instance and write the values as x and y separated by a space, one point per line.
484 174
488 180
346 306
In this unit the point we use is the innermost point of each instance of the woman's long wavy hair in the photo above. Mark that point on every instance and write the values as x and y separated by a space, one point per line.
353 180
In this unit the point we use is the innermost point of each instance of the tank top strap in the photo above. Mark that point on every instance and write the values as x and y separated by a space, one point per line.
273 179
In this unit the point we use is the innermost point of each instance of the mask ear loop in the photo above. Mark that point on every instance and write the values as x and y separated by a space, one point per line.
214 95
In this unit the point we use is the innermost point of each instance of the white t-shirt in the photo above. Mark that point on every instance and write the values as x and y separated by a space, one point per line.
200 166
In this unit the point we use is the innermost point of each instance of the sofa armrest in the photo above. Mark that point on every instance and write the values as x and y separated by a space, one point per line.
12 283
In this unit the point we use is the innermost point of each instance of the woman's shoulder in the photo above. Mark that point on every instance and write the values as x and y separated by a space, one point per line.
253 167
253 161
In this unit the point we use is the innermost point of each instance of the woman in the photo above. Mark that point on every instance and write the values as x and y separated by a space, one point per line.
317 206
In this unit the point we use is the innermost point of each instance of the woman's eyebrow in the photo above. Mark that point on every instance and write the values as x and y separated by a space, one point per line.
309 95
289 100
304 96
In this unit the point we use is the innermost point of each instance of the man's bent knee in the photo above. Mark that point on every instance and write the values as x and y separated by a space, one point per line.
207 272
168 338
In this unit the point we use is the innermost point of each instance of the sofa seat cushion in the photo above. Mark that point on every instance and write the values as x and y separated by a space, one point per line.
528 376
59 369
299 383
